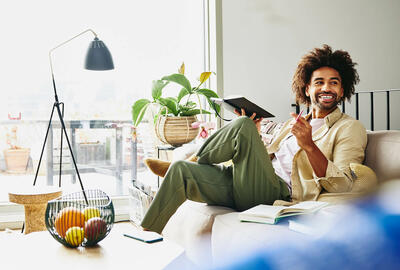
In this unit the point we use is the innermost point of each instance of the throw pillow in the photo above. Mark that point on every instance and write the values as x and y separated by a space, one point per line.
364 178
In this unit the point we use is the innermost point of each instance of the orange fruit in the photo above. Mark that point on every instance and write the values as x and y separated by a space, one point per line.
67 218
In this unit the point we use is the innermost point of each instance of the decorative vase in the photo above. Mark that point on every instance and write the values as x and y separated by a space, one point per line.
16 159
176 130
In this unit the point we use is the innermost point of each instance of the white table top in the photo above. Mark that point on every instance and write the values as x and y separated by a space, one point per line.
39 250
34 190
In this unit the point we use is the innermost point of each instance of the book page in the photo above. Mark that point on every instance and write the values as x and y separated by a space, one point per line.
263 210
305 207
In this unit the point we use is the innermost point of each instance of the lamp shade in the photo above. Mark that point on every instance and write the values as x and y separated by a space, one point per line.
98 56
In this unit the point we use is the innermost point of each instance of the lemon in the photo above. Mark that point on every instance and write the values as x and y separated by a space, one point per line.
74 236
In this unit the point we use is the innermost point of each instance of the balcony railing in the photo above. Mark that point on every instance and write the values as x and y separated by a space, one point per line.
371 94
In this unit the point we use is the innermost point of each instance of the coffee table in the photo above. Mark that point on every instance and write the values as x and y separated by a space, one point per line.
38 250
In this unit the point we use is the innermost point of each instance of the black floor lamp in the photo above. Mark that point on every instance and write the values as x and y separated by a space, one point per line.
98 57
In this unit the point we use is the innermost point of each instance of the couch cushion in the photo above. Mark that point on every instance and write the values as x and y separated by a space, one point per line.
365 178
191 226
383 154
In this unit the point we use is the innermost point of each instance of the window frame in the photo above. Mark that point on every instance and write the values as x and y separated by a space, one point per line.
12 215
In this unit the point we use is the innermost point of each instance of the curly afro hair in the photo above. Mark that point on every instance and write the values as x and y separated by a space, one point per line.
324 57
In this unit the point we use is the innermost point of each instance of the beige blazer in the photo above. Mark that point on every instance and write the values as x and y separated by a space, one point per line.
342 140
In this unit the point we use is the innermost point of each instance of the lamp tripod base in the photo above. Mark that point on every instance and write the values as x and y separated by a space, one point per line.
59 107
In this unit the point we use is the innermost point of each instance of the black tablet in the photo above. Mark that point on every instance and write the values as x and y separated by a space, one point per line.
248 106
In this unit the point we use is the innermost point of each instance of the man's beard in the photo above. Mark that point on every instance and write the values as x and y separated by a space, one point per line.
326 107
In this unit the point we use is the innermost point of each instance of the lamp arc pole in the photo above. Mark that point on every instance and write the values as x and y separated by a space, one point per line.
59 106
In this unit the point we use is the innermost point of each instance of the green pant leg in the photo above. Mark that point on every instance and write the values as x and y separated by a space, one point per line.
254 178
188 180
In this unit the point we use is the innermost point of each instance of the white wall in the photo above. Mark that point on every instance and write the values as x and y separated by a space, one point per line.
263 40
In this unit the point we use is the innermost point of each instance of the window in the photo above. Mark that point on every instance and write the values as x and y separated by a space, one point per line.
148 39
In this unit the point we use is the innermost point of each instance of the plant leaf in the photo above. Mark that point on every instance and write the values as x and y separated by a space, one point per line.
204 76
179 79
209 94
214 106
138 110
170 103
156 89
191 104
194 112
182 93
186 107
181 70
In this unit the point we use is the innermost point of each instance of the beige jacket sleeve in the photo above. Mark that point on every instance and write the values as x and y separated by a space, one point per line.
348 147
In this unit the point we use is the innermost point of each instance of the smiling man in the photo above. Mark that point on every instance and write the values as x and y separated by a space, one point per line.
309 157
313 154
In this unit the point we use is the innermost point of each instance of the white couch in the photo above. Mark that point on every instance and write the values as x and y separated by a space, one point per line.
210 232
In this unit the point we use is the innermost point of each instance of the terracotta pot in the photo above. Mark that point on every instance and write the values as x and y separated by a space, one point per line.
16 159
176 130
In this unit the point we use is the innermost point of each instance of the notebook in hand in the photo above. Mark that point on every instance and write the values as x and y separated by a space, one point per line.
271 214
238 103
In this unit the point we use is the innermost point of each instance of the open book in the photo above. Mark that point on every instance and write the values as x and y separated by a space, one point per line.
270 214
238 102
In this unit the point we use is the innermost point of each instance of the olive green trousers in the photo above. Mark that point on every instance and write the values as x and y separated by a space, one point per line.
249 182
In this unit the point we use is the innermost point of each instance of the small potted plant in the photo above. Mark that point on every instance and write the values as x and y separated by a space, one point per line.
173 121
16 157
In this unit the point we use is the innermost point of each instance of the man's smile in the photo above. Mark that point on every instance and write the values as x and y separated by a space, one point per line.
327 97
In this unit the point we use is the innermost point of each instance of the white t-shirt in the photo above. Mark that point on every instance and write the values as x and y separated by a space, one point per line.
283 160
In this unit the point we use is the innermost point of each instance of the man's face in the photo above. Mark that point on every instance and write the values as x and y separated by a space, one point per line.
325 89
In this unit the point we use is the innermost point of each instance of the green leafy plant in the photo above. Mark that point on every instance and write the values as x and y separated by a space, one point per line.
182 105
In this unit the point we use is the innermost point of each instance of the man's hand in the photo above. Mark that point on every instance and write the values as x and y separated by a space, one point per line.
302 130
257 121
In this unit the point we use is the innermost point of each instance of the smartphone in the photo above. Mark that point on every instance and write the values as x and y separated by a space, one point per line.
144 236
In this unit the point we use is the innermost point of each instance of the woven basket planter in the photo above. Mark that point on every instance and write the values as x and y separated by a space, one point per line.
176 130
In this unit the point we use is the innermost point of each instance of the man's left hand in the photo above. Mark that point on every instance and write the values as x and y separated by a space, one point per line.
302 130
257 121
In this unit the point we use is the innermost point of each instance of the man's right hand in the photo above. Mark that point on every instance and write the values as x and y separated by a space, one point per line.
257 121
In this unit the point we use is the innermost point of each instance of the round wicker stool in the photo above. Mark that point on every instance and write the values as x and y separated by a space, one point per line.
35 200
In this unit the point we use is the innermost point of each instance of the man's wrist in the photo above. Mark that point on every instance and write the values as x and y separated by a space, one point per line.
310 148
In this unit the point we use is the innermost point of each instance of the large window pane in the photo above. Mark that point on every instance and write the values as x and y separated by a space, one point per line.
148 39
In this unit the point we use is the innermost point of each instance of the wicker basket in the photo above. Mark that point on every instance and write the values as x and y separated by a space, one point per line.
176 130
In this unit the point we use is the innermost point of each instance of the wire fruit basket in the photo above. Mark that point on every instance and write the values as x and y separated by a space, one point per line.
81 218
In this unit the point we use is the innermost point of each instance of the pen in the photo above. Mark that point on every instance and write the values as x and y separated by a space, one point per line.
301 112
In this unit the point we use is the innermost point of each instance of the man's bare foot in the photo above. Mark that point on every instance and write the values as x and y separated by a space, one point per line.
192 158
160 167
157 166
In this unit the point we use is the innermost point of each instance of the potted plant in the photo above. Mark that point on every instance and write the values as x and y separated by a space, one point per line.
16 157
176 114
